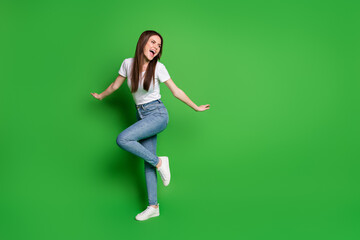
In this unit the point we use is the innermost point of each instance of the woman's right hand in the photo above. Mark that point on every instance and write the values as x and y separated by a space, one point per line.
97 96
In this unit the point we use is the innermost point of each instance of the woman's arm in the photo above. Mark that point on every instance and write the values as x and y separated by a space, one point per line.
112 88
179 94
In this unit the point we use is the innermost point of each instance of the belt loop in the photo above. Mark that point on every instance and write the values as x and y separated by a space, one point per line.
159 100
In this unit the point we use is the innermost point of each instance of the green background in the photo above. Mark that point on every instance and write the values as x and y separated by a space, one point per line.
275 157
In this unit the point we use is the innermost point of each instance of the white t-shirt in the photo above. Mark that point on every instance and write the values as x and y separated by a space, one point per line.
141 96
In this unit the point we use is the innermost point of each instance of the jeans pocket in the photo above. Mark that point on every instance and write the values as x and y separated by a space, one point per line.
164 113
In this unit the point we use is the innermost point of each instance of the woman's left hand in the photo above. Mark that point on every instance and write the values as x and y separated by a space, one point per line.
203 108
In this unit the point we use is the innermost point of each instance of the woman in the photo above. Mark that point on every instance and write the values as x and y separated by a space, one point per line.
144 73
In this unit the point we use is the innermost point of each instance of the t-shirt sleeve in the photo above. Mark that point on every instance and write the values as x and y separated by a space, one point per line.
163 74
122 70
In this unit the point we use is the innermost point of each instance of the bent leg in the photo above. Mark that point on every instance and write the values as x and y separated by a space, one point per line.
142 129
150 171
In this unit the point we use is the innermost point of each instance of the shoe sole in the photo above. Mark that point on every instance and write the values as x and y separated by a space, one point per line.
167 182
147 218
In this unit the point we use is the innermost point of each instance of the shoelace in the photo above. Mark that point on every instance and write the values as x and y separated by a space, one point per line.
145 211
161 174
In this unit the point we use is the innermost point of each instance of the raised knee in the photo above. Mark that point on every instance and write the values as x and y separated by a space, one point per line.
121 140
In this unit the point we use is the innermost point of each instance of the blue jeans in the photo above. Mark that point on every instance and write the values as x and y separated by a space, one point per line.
140 140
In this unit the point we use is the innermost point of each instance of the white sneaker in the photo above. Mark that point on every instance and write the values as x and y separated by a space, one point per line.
149 212
164 170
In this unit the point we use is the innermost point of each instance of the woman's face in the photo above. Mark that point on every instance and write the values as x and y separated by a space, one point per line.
152 47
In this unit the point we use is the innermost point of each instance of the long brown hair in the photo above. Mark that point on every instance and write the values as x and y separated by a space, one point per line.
139 58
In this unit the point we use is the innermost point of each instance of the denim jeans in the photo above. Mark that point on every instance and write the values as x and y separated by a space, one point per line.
140 140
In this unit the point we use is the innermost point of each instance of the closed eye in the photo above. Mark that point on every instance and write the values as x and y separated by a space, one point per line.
159 44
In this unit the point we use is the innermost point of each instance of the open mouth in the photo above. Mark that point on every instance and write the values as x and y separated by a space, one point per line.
152 52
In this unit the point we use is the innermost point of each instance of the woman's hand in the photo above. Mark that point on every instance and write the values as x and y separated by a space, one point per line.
97 96
202 108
